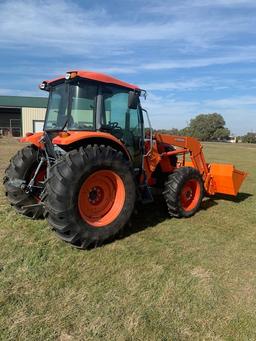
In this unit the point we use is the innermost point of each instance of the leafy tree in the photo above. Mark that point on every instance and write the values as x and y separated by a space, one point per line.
249 138
172 131
208 127
221 134
185 132
205 127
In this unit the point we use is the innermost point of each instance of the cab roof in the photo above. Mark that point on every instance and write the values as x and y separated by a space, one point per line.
96 76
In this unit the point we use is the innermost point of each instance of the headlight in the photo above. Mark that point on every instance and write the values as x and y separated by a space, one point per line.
68 75
43 85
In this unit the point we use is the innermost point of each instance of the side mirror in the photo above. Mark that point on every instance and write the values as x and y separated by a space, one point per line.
133 100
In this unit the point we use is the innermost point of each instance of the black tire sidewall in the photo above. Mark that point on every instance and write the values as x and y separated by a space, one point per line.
128 182
63 187
196 176
20 167
173 189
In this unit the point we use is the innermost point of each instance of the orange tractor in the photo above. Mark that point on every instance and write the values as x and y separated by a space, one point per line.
95 159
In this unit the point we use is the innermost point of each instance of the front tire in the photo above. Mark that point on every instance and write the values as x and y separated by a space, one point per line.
183 192
90 195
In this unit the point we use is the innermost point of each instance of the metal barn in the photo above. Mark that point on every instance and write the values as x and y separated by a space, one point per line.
19 115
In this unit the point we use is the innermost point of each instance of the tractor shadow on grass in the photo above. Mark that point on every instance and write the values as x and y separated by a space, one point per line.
209 202
150 215
146 216
239 198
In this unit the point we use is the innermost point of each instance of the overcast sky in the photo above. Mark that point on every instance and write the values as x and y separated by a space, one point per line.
192 56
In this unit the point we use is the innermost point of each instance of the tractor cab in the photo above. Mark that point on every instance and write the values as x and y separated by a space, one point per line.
93 102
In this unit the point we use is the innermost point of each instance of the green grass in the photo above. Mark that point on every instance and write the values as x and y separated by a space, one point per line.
166 279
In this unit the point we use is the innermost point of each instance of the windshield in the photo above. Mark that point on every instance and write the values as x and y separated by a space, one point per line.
71 106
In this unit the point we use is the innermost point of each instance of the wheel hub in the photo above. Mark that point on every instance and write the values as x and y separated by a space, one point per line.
95 195
188 194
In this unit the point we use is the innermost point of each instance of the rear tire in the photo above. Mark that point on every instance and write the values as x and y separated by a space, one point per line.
90 195
183 192
20 168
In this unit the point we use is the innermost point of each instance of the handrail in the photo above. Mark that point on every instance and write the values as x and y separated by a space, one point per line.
151 132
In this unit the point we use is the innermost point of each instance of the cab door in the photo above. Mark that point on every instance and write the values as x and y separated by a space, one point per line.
124 123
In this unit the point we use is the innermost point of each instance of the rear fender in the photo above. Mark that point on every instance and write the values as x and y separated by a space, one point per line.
33 139
76 139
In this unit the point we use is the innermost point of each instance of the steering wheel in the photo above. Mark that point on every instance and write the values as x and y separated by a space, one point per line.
114 125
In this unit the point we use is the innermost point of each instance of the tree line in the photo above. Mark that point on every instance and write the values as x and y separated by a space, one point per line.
208 127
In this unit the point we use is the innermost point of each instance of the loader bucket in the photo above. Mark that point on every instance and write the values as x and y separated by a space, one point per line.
226 178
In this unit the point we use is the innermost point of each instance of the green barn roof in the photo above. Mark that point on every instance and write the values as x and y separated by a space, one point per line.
21 101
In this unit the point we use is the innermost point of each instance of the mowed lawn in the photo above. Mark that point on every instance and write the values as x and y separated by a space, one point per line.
165 279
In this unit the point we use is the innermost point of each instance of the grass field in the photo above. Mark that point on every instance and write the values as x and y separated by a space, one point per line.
165 279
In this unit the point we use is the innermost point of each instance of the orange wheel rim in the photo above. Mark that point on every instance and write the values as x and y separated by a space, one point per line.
190 194
101 198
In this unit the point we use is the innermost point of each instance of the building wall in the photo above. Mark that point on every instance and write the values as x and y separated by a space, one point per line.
30 114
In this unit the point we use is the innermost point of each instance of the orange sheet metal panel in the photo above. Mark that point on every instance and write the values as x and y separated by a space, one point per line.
74 136
189 164
151 161
101 77
227 179
33 139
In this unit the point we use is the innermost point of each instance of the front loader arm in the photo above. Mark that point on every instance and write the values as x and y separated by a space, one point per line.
218 178
192 145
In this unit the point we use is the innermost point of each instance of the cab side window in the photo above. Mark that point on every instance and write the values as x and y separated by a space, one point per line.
120 121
